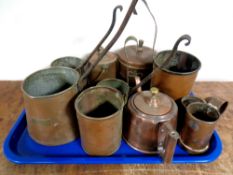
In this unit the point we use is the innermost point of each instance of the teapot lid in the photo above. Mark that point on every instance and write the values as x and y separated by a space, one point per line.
153 102
140 56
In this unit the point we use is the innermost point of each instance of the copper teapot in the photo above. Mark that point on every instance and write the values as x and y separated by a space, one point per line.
149 125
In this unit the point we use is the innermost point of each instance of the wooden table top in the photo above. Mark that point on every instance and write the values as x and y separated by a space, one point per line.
11 104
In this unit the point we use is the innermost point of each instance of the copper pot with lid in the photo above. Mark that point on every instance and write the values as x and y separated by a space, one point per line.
134 61
150 123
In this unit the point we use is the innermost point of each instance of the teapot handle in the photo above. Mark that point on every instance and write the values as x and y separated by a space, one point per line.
167 139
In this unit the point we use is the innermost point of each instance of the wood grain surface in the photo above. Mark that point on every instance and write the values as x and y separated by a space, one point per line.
11 104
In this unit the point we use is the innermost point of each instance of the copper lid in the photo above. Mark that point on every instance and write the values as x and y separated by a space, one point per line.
152 102
140 57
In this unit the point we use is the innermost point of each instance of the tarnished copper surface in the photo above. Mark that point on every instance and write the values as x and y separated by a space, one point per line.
199 125
99 112
142 128
48 97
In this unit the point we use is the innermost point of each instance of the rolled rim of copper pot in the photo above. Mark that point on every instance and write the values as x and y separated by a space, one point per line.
83 93
32 78
67 61
190 106
167 52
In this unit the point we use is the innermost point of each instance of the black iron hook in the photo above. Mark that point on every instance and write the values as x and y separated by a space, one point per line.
175 47
103 39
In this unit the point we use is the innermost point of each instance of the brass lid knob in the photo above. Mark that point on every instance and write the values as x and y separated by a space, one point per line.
154 90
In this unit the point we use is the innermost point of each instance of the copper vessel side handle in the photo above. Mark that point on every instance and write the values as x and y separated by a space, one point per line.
167 140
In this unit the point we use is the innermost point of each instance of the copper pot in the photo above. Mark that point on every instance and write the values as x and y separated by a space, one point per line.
150 123
134 61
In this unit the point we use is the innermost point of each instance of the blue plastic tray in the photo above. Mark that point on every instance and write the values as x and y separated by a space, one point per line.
21 149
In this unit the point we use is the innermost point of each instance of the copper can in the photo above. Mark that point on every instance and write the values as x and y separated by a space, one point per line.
48 97
150 123
99 112
135 61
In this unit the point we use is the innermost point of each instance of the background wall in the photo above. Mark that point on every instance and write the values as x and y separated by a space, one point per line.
34 33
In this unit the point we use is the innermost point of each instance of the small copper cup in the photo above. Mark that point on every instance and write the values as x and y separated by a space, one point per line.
99 113
199 125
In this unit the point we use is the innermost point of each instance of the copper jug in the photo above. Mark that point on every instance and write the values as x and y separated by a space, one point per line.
150 122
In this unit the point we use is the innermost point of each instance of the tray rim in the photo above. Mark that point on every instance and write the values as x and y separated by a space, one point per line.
15 158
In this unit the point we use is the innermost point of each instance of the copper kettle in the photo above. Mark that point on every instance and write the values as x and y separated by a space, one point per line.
149 125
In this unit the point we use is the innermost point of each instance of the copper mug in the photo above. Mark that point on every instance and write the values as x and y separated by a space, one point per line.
99 113
200 122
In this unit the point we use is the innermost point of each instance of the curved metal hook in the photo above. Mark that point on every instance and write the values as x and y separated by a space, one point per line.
175 47
104 38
